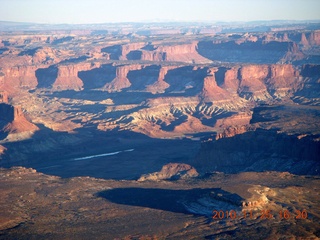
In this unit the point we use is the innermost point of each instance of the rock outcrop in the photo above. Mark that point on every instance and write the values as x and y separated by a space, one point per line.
67 76
174 52
160 85
20 77
121 80
233 130
219 94
261 82
62 77
171 171
13 123
314 38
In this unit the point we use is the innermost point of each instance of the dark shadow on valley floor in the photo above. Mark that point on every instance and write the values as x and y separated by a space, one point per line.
177 201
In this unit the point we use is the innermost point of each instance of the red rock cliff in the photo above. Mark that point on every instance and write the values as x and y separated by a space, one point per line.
211 91
121 80
130 47
161 85
314 38
263 80
20 77
175 53
12 120
68 79
230 81
283 80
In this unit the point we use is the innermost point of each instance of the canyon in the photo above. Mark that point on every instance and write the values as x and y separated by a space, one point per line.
167 111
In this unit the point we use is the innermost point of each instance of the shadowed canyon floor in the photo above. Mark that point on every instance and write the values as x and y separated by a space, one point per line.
143 131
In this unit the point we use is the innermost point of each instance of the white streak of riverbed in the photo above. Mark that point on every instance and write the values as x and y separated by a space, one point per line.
101 155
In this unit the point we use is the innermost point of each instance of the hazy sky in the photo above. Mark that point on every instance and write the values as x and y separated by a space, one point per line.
100 11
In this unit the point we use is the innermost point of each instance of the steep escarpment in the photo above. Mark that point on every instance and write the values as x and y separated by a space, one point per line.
176 53
179 98
261 82
13 123
62 77
260 150
121 80
219 89
196 99
19 77
314 38
123 52
306 39
161 87
251 82
172 52
283 80
67 76
250 52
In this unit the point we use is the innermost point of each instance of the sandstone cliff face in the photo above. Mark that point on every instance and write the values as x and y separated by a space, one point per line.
314 38
254 72
121 80
13 122
126 49
67 77
252 82
160 85
62 77
305 39
283 80
282 70
182 53
308 39
293 54
156 56
230 80
20 77
211 96
211 92
252 85
175 53
261 82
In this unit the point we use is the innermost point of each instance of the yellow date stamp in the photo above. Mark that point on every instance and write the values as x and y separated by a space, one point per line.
262 214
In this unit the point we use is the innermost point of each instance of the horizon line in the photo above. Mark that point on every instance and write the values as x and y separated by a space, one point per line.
165 21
